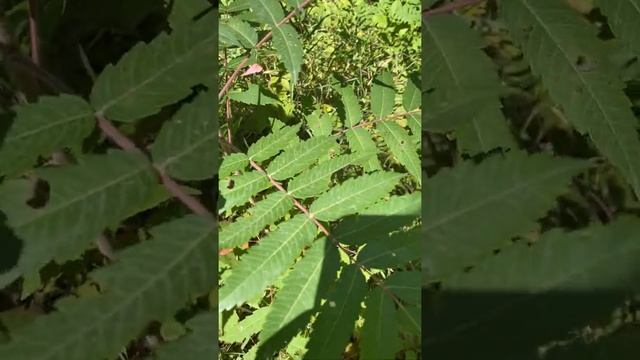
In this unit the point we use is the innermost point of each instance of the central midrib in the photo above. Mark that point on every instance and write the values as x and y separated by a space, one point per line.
88 114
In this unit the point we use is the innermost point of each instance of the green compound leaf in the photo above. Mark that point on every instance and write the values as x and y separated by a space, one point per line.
624 18
254 95
320 123
360 142
397 250
411 98
183 12
236 32
237 190
590 91
463 90
513 294
289 47
378 220
285 38
352 111
406 285
237 331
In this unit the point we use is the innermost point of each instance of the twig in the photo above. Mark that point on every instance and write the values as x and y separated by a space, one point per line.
262 41
228 108
33 32
25 82
86 63
449 7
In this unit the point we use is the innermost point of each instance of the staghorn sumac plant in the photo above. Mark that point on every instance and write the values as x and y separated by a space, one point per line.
319 200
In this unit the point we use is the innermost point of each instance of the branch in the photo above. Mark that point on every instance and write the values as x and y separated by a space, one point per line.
262 41
449 7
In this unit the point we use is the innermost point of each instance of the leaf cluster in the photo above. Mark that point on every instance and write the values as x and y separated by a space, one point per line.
531 178
319 208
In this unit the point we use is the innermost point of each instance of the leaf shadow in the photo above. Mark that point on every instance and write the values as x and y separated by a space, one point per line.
281 338
362 229
10 244
6 120
463 324
378 82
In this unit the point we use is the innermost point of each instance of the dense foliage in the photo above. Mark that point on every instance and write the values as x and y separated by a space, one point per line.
320 181
532 178
107 158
